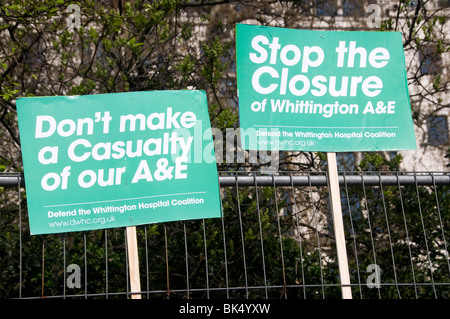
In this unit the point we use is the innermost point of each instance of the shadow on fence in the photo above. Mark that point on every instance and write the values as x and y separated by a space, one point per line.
275 240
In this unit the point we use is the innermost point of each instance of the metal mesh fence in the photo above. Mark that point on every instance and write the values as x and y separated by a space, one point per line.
274 240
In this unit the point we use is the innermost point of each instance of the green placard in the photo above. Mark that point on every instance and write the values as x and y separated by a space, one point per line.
329 91
114 160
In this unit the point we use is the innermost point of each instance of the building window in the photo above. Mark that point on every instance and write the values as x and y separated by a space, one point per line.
444 3
354 8
346 161
430 60
320 8
437 130
327 8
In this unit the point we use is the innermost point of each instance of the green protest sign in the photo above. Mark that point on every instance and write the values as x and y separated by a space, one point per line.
327 91
115 160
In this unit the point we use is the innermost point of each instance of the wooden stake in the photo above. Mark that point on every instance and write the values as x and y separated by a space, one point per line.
133 262
338 223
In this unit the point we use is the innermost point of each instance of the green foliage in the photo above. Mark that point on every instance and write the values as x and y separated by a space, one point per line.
387 24
437 82
214 67
406 232
9 92
226 119
376 162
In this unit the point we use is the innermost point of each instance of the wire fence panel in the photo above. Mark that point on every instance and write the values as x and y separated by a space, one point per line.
275 240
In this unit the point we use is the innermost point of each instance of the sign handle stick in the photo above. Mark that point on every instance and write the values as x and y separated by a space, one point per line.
338 225
133 262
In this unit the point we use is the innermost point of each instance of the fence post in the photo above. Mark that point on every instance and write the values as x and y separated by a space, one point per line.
338 225
133 262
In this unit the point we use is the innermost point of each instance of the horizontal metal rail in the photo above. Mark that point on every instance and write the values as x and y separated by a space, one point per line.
321 180
11 179
352 179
